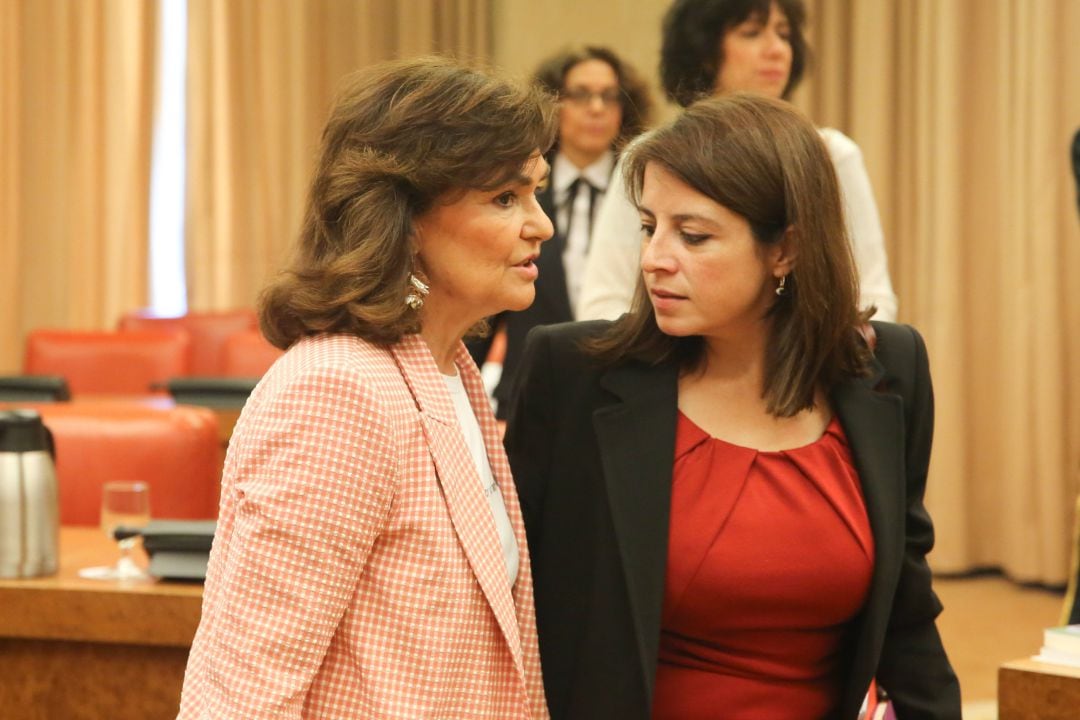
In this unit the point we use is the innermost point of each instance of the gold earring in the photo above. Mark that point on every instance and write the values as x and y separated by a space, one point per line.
415 298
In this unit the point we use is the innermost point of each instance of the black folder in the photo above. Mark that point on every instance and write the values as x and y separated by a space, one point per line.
179 549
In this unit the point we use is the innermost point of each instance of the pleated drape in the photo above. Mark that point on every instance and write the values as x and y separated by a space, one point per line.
964 110
262 78
76 115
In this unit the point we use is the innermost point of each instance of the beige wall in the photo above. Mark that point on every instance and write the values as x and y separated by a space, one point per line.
526 31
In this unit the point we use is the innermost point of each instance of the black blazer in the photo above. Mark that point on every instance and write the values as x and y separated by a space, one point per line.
552 305
592 454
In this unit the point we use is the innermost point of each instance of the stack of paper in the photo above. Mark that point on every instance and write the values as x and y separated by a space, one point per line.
1061 646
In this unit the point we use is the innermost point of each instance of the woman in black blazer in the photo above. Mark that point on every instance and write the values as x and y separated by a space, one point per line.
744 327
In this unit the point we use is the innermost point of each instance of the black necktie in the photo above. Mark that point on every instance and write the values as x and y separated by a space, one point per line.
571 200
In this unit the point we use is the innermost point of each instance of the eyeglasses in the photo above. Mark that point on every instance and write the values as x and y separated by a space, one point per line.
584 97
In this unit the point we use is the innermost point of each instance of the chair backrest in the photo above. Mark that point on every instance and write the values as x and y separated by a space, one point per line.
208 332
129 363
248 355
177 451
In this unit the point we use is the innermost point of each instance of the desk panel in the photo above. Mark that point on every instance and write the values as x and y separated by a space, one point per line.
61 680
1032 690
77 648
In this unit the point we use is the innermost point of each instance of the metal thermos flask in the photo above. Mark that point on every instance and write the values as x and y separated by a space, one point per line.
29 508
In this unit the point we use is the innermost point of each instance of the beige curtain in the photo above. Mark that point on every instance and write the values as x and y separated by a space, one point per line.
76 106
964 110
10 89
261 79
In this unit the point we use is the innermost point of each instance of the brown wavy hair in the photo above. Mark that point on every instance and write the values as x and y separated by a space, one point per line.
634 94
761 159
401 135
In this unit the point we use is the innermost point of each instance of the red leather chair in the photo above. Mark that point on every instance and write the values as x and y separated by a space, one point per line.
176 450
129 363
248 354
208 332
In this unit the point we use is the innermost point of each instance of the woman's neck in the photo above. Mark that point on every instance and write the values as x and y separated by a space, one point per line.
725 397
739 358
581 159
442 339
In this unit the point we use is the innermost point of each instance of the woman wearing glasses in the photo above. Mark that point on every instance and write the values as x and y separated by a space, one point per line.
603 104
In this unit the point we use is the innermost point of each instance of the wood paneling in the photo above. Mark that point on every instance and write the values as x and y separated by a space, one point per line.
73 648
1029 690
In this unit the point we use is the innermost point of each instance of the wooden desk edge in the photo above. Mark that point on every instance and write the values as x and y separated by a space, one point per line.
1037 666
67 607
1033 690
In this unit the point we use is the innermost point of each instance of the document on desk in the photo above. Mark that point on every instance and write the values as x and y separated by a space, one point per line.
1061 646
1056 657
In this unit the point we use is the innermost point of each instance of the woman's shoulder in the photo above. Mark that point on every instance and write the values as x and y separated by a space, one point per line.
330 350
562 349
901 351
896 338
568 338
326 376
331 363
841 148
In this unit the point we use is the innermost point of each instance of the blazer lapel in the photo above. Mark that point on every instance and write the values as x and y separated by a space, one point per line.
874 424
469 511
636 437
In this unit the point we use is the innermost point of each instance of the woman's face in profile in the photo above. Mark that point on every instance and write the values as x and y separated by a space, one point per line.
755 55
479 249
705 272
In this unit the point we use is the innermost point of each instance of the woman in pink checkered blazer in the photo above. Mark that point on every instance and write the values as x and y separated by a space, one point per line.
370 559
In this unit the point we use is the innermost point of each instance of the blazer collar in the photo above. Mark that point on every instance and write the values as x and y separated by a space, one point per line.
873 421
636 438
469 510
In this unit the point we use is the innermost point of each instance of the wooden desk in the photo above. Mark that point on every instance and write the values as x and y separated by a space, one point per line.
73 648
1032 690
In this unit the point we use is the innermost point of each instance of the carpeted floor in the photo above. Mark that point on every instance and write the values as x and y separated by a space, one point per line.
988 621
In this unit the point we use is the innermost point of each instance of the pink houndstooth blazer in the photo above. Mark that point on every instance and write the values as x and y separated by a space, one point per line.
356 570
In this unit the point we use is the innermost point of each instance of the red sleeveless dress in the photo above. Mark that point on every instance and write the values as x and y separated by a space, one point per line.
770 557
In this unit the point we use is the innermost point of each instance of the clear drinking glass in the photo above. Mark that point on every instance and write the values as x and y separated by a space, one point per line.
123 504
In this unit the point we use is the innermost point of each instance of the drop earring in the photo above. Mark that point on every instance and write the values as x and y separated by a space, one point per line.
780 289
419 291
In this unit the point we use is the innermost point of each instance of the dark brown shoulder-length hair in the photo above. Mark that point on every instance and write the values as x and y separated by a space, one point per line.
635 98
693 30
761 159
401 136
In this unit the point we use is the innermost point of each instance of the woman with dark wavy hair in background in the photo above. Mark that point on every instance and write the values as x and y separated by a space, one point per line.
370 559
723 489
